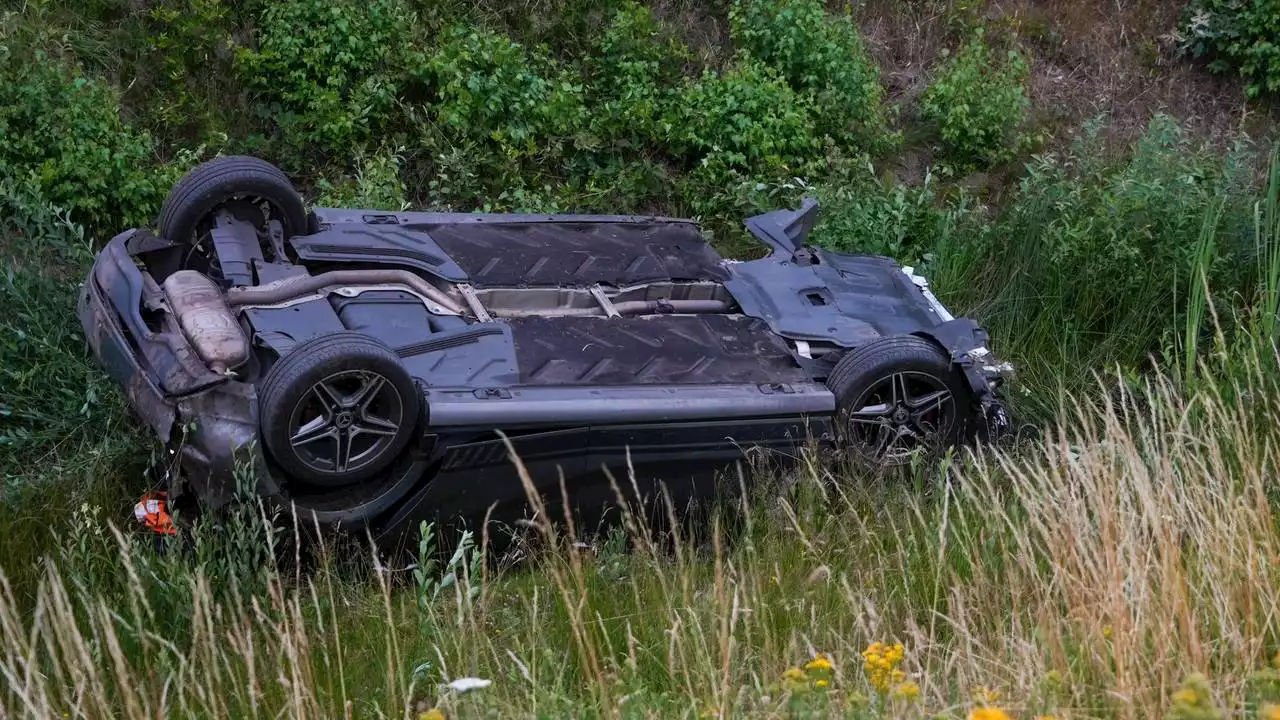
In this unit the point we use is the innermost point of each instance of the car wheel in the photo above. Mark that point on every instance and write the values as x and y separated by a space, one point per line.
337 409
897 397
254 189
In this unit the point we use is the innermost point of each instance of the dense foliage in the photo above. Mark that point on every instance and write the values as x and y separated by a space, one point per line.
745 117
62 137
978 101
1239 35
328 73
822 57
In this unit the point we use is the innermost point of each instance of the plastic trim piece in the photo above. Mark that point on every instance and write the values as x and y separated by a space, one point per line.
552 406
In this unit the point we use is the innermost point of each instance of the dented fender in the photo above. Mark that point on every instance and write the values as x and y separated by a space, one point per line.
207 418
113 354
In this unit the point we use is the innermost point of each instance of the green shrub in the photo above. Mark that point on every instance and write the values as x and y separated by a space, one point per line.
328 72
62 137
1241 35
746 118
863 213
186 61
978 102
497 119
630 74
375 185
822 57
487 88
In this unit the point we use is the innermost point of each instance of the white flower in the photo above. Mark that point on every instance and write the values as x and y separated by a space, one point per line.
469 683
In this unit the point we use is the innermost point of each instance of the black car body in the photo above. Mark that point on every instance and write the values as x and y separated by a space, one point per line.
588 342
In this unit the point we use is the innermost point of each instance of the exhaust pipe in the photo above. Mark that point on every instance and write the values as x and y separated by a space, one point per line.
630 307
289 288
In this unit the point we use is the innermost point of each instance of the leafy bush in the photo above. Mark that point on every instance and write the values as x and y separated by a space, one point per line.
62 137
187 50
822 57
328 72
1243 35
496 115
630 72
375 185
746 118
978 102
486 87
863 213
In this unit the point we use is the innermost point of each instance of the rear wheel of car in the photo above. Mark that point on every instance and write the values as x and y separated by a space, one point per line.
337 410
897 397
253 189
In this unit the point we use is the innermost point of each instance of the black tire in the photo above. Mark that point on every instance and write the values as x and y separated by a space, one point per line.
323 379
210 184
896 383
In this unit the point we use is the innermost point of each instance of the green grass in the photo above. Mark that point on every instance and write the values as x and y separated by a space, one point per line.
1089 576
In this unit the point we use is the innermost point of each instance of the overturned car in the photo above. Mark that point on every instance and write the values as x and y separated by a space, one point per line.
369 368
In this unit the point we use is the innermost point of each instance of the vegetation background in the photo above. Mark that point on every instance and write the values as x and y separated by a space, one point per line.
1095 181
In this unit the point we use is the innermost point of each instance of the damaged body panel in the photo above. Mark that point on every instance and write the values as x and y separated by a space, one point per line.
371 368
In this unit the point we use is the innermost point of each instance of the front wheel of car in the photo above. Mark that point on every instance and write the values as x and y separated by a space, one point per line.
898 397
338 409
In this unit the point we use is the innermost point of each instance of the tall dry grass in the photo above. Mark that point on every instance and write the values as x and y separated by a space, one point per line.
1087 576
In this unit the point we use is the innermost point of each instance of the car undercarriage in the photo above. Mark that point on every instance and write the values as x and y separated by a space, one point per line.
375 368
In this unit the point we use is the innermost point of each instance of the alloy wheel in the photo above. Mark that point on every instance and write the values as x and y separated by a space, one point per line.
345 422
900 414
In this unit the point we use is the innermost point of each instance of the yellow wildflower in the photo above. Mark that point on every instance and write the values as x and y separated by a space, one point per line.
880 663
821 684
1194 699
1106 631
432 714
988 713
1269 712
906 690
820 662
794 673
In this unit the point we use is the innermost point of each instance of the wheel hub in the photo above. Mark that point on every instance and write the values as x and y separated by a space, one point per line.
344 422
901 412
